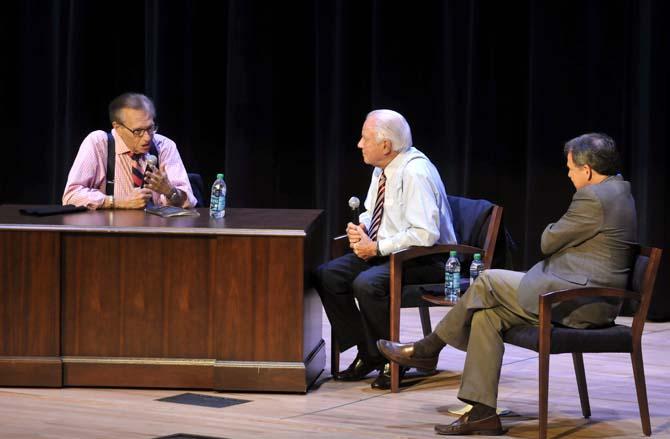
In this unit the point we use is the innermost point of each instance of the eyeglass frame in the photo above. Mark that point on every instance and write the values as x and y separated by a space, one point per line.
139 132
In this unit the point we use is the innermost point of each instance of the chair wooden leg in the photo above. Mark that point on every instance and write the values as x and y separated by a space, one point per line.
334 355
395 377
578 361
543 393
544 344
425 320
395 336
641 389
395 296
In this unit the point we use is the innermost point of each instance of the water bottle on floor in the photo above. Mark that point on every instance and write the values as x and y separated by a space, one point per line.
452 278
217 202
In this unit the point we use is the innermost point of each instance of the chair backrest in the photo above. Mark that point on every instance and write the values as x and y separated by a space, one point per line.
476 223
198 188
642 281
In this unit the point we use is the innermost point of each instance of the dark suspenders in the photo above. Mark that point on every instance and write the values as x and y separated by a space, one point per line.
111 161
111 164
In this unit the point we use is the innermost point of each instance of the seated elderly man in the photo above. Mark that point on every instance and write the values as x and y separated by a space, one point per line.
592 244
135 182
406 205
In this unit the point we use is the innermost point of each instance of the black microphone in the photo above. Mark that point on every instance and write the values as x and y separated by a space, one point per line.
354 203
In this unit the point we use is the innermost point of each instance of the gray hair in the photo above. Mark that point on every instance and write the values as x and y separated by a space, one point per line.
136 101
392 126
596 150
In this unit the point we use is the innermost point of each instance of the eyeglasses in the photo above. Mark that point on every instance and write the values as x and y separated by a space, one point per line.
139 132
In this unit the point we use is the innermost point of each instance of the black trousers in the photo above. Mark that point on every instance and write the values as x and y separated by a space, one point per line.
349 277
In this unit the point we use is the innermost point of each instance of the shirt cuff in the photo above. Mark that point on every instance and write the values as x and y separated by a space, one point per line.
384 247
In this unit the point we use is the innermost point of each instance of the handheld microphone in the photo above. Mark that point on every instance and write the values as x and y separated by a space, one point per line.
151 163
151 160
354 203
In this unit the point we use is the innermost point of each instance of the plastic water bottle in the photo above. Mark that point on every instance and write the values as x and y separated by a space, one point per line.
476 267
452 278
217 203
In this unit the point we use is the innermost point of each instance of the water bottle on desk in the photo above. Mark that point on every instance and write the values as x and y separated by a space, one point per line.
217 202
476 267
452 278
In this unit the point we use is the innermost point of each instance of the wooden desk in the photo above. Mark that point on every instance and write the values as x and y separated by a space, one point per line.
128 299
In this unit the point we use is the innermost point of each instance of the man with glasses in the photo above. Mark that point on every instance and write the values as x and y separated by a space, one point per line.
135 183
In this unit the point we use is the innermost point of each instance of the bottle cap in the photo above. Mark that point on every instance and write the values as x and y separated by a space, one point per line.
452 253
477 256
219 176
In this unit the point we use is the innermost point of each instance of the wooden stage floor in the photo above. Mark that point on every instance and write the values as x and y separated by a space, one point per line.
354 410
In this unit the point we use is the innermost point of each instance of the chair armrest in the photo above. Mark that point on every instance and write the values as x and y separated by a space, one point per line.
339 246
552 297
395 265
401 256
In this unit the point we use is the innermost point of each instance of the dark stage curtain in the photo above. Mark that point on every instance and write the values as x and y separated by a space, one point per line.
274 95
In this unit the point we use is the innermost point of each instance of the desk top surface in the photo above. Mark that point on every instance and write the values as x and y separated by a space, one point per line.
250 222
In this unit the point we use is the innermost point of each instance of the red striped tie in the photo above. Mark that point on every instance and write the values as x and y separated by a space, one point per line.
138 174
379 208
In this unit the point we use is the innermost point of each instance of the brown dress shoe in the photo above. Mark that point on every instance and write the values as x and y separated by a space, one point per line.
403 354
463 426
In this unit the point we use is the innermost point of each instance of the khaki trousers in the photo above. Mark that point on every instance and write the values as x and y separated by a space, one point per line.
476 325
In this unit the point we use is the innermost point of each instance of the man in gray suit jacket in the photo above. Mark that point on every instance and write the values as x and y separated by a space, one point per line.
592 244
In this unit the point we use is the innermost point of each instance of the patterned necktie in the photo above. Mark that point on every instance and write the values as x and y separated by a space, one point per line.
379 208
138 174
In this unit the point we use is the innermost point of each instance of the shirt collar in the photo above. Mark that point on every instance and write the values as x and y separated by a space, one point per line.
616 177
398 162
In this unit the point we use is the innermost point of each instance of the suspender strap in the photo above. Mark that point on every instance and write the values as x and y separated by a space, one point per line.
111 161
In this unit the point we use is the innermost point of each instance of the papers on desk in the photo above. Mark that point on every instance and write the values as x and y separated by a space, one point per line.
170 211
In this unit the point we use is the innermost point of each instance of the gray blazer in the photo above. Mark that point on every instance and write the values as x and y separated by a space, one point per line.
593 244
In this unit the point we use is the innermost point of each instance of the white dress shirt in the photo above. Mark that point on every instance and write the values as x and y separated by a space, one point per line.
416 210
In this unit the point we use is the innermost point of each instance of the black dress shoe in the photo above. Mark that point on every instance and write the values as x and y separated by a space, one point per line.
358 370
464 426
383 380
403 354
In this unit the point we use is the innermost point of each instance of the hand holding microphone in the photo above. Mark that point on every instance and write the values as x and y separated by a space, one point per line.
355 231
359 241
152 162
154 178
354 204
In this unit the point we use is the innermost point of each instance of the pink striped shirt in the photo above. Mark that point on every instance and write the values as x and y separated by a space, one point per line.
87 179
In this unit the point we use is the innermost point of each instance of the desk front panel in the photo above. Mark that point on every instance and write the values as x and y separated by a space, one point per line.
182 297
138 300
30 308
160 305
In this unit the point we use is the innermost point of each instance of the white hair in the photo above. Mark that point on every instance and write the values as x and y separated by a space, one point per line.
392 126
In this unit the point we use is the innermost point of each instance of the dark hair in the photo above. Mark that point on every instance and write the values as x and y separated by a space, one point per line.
596 150
136 101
